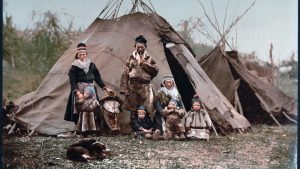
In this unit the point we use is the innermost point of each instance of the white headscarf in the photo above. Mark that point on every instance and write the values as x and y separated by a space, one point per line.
173 92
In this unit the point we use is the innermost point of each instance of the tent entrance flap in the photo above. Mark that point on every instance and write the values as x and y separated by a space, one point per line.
251 105
182 81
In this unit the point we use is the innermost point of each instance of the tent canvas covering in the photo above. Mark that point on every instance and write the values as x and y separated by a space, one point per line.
110 42
258 98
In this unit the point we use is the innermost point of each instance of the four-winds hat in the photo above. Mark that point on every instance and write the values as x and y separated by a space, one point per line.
173 102
141 39
196 98
81 46
142 108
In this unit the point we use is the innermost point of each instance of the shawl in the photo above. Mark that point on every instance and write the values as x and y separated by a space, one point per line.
85 64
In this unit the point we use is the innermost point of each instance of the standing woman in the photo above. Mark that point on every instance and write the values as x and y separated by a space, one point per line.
83 100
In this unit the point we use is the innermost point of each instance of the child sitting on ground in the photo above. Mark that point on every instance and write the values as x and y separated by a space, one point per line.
198 122
142 125
173 116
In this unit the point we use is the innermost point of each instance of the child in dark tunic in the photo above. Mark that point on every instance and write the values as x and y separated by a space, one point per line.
142 126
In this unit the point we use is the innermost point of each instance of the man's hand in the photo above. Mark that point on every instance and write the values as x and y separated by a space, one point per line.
142 60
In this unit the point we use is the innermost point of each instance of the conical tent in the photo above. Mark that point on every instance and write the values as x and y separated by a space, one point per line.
258 98
110 42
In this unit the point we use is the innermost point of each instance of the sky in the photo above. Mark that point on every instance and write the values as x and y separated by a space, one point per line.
268 21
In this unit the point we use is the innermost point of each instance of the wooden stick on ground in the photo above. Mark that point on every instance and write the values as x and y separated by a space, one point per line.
12 128
31 133
214 129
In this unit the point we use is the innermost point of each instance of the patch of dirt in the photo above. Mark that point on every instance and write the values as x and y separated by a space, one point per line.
263 147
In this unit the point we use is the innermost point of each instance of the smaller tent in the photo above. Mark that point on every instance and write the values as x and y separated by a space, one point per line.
260 101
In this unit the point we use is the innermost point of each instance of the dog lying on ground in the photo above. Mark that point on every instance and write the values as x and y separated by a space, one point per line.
87 149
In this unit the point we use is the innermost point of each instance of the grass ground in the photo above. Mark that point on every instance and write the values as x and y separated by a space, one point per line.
263 147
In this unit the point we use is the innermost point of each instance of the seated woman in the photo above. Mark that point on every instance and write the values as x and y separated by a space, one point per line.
198 122
164 95
142 126
83 99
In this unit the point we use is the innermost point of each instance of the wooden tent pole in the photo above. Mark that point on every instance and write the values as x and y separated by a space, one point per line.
31 133
238 102
272 64
214 129
288 117
212 124
267 109
272 116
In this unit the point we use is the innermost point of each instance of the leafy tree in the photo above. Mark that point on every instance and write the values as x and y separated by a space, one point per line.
31 53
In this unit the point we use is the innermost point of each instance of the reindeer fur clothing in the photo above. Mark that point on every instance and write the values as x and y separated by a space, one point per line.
135 81
198 124
173 120
162 100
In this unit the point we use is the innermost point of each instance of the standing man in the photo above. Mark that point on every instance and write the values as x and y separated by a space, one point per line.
139 70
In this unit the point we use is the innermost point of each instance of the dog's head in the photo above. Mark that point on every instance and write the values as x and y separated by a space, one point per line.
98 147
100 150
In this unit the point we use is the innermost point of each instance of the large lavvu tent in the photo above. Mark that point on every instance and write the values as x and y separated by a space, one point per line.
110 41
259 100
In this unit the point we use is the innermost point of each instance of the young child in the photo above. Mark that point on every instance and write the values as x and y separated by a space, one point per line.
198 122
142 125
88 92
173 116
